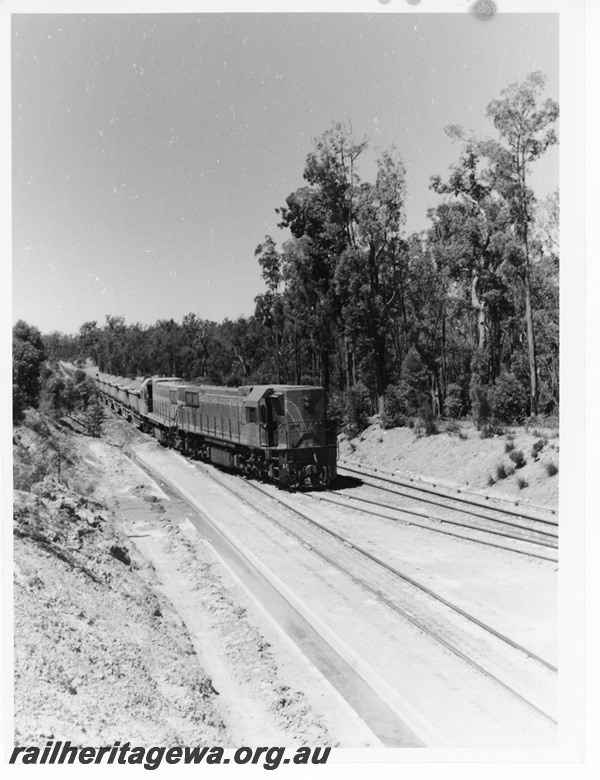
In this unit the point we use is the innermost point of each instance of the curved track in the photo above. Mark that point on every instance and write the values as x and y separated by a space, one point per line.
514 668
519 672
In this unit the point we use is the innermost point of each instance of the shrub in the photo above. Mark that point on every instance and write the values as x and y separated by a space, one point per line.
58 395
395 408
414 382
335 409
358 408
537 448
509 446
426 421
551 468
93 419
501 471
508 399
522 483
454 402
480 406
38 424
518 458
349 410
491 481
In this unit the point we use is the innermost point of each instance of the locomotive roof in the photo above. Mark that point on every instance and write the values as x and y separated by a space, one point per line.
249 392
246 390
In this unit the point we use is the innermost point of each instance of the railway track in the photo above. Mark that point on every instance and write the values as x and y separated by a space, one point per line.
480 651
505 528
462 496
515 669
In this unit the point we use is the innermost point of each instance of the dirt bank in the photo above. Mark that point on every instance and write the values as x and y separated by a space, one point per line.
121 607
462 458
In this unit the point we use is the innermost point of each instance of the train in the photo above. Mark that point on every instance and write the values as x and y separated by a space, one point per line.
277 432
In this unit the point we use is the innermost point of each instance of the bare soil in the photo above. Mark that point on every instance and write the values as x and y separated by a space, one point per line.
127 625
462 458
99 652
121 607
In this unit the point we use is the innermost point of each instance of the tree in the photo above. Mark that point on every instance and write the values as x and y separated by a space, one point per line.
269 307
525 124
341 266
321 218
28 356
90 338
472 235
367 273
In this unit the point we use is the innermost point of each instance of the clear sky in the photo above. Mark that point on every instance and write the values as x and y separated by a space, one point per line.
150 151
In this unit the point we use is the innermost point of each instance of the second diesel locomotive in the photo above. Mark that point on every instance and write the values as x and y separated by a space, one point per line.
279 432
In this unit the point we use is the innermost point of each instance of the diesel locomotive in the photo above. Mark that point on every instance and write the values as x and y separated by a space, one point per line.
278 432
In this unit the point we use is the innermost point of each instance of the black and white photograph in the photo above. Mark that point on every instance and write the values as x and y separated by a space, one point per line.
289 325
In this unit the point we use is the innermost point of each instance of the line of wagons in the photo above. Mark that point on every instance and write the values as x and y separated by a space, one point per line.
278 432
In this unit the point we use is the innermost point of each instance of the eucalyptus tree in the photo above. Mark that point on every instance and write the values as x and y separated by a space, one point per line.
525 123
368 272
471 236
269 305
321 219
342 263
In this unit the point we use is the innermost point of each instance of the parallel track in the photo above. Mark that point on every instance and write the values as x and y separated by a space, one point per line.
468 638
531 533
460 633
481 502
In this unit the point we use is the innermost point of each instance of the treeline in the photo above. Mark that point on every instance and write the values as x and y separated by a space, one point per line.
39 384
460 319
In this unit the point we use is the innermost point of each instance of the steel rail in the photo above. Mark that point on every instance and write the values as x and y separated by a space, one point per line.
448 645
439 530
416 481
465 525
438 493
405 577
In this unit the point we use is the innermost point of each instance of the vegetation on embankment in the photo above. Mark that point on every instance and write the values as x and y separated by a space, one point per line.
99 653
519 462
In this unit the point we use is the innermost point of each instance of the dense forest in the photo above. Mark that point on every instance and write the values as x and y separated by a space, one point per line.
460 319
